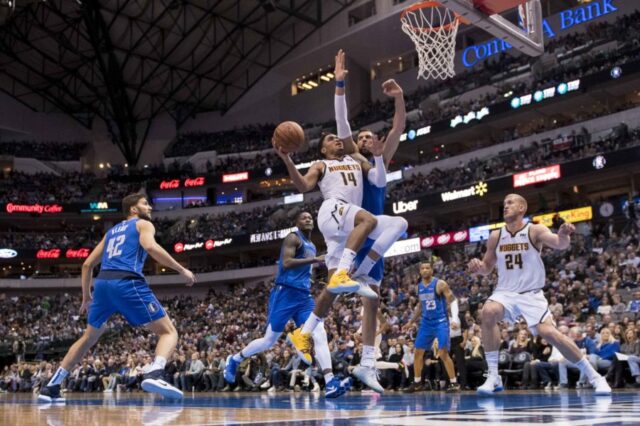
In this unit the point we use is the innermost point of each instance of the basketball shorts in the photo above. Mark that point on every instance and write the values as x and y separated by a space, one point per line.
287 303
336 221
377 271
429 331
132 298
532 306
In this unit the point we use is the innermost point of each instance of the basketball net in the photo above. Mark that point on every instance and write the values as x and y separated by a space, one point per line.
433 29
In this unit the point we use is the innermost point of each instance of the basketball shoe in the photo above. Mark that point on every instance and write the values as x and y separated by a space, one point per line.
153 381
368 376
336 388
492 385
341 282
50 394
230 369
302 344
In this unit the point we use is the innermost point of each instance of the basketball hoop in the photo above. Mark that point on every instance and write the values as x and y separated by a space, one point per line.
433 29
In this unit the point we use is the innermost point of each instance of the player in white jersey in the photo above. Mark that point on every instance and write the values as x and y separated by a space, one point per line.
515 250
344 224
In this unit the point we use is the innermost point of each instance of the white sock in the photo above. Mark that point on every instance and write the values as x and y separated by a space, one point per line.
365 266
386 365
321 348
587 369
311 323
328 377
158 363
346 260
492 363
417 379
368 356
57 378
453 381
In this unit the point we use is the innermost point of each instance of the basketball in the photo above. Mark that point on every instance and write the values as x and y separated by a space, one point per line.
289 136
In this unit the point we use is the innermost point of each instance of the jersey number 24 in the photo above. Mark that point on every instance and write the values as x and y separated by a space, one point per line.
512 260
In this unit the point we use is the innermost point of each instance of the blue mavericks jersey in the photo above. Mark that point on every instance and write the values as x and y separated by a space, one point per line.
373 198
434 306
122 249
299 277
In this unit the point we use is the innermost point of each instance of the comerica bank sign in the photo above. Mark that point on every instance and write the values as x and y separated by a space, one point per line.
569 18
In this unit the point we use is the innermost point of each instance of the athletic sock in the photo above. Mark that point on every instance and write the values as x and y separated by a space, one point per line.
327 378
346 260
417 380
453 381
587 369
158 363
311 323
57 378
492 363
368 356
365 266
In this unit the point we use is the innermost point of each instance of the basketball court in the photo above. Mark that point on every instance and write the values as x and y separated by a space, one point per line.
557 408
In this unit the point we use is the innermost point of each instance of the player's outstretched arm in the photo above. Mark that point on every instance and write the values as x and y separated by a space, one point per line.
392 88
485 266
340 105
87 273
414 318
160 255
289 247
540 234
377 175
302 183
443 288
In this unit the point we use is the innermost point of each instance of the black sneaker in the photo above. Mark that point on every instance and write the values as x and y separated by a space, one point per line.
50 394
414 387
154 382
452 388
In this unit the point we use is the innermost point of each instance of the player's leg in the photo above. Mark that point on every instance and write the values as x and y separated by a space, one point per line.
386 232
366 371
51 392
444 344
567 347
281 307
418 365
492 313
154 379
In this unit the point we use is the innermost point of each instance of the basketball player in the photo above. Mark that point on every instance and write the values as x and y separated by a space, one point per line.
291 299
515 250
121 287
343 223
436 302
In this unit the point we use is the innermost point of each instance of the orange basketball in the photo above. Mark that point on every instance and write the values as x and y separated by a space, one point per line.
289 136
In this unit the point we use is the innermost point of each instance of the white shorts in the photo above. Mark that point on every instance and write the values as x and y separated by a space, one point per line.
336 220
533 306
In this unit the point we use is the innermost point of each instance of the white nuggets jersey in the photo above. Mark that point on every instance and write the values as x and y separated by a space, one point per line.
342 180
520 267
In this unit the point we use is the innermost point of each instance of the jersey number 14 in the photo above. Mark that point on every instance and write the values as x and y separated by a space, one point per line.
114 248
349 177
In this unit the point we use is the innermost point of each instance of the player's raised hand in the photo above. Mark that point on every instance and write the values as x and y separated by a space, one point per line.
340 72
188 276
475 266
86 302
377 145
566 229
284 155
391 88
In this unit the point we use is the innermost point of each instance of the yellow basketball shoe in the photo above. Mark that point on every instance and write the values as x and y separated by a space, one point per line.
341 282
302 344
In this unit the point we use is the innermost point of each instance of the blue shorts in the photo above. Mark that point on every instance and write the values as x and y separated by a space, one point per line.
378 269
130 297
429 331
287 303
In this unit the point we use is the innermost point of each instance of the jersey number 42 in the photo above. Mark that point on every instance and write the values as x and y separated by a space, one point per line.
114 248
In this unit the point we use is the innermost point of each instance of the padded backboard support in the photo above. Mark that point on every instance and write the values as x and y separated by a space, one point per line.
530 42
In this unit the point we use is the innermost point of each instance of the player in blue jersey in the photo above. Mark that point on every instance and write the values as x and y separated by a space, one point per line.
438 311
291 299
121 288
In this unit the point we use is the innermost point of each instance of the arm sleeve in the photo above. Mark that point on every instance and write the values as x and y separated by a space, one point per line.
455 311
342 122
378 175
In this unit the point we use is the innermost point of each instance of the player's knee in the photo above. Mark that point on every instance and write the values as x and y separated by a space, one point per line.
491 313
547 332
402 224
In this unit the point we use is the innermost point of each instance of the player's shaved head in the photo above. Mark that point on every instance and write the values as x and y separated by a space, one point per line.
518 199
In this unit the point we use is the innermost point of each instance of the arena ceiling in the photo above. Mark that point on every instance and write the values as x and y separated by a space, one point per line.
127 61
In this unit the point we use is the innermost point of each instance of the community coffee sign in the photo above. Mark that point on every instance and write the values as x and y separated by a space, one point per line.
34 208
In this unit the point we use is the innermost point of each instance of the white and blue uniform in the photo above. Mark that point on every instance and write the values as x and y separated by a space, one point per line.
435 319
373 202
291 296
120 285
